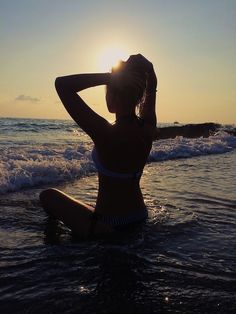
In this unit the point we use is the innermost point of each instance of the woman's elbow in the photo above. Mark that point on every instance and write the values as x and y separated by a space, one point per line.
58 83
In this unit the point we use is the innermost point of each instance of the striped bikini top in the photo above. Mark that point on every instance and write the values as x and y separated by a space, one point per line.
101 169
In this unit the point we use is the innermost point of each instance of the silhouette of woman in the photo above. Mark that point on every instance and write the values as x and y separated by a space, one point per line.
120 149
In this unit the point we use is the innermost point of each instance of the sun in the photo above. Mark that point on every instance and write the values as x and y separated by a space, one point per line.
111 56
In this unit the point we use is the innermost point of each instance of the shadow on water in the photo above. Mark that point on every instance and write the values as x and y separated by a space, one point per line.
111 273
129 274
138 272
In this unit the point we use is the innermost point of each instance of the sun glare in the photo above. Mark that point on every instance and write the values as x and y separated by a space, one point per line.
110 57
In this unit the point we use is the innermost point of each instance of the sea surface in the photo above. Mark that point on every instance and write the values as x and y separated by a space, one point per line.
183 260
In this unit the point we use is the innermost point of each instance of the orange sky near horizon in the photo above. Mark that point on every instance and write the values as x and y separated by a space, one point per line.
191 44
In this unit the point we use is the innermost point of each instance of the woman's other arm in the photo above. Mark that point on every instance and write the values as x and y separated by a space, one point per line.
148 107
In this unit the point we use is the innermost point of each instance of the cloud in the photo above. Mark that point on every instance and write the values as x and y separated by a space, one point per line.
27 98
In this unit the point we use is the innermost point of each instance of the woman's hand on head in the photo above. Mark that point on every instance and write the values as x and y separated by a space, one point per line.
142 64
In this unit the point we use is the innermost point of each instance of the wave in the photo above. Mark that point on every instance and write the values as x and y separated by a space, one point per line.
181 147
26 166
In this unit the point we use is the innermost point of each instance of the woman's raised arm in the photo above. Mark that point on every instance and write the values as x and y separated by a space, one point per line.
67 88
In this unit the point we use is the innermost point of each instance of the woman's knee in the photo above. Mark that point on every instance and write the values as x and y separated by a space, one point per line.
46 195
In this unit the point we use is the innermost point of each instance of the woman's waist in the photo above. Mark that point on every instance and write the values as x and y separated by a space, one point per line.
119 198
119 186
119 204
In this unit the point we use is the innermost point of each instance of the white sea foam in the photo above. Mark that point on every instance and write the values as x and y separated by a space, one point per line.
23 167
181 147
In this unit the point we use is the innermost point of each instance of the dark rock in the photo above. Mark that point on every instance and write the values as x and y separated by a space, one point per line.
188 130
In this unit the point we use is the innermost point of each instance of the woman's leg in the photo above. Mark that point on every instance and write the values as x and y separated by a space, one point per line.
74 214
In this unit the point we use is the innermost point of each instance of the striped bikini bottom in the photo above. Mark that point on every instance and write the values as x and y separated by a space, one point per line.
120 222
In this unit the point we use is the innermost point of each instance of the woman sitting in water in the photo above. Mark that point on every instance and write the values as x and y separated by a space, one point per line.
120 152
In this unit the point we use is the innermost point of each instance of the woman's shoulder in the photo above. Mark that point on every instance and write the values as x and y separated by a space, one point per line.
132 133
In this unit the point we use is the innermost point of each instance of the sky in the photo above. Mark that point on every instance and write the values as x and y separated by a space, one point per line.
192 45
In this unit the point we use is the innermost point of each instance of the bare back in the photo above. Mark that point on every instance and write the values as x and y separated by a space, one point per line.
124 149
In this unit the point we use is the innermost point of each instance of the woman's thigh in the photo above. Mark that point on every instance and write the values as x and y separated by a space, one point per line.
73 213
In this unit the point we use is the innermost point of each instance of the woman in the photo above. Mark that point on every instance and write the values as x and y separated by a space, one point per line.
120 152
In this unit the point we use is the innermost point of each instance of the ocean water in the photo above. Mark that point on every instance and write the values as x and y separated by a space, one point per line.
183 260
